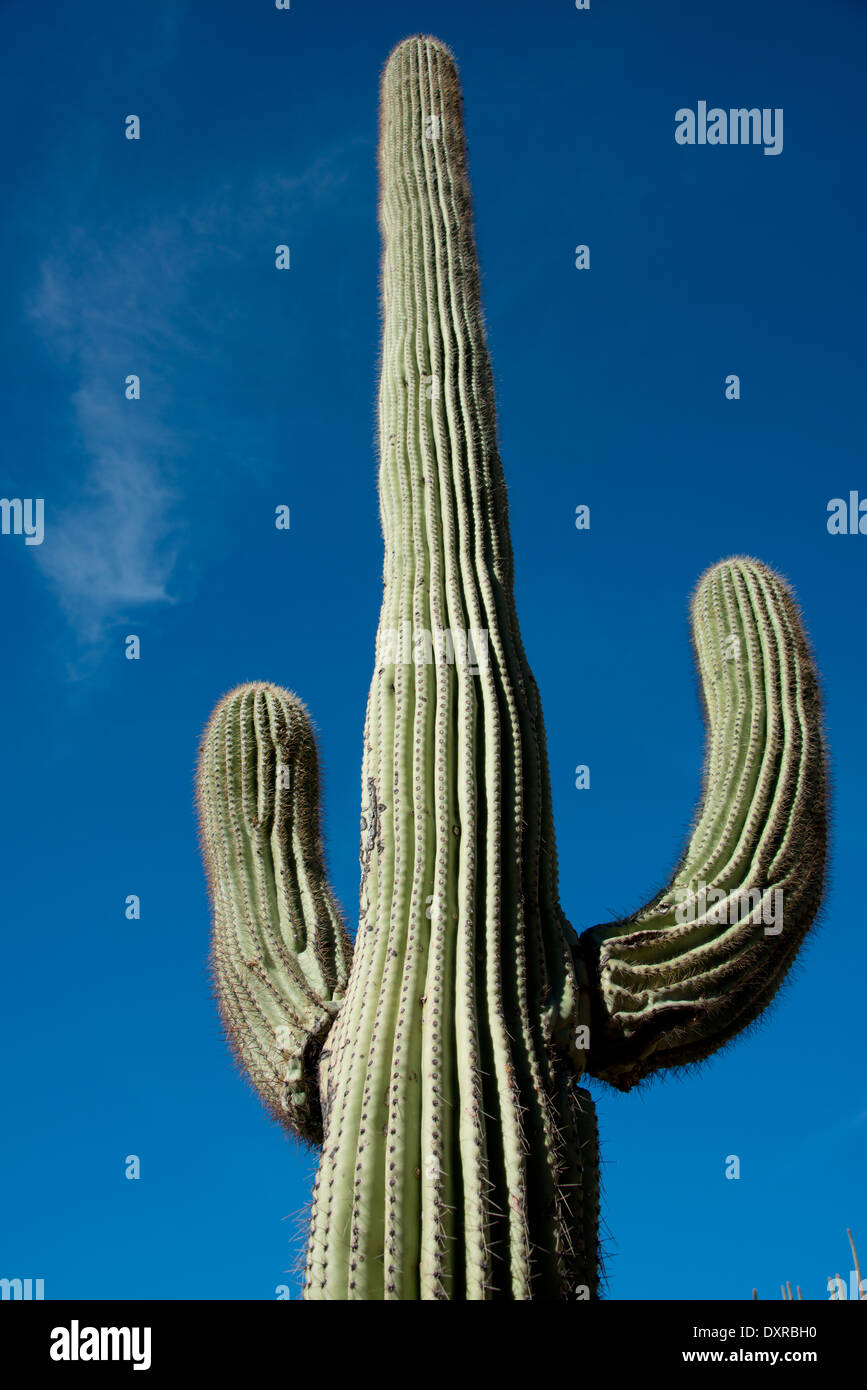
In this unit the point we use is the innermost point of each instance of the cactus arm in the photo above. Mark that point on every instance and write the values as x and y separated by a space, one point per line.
280 955
686 973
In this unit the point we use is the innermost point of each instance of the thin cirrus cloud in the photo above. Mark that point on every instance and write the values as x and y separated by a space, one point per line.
109 545
116 303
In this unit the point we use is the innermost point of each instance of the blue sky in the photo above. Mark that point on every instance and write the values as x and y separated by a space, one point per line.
156 257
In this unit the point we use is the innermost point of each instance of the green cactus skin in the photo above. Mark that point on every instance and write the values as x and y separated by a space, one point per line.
667 992
280 954
460 1156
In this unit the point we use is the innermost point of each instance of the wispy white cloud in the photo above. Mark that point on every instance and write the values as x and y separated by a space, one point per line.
112 302
108 547
112 550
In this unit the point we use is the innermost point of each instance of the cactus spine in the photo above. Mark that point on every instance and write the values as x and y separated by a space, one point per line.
459 1154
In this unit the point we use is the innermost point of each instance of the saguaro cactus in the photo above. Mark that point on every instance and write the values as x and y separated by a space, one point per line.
438 1059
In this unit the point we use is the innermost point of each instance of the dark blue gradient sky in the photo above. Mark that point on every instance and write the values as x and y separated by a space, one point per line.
156 257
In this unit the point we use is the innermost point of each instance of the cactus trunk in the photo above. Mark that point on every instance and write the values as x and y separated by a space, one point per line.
451 1133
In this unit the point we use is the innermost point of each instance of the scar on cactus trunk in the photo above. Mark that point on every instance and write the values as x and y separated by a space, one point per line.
438 1059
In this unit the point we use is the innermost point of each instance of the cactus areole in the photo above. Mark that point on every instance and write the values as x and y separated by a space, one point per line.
437 1060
